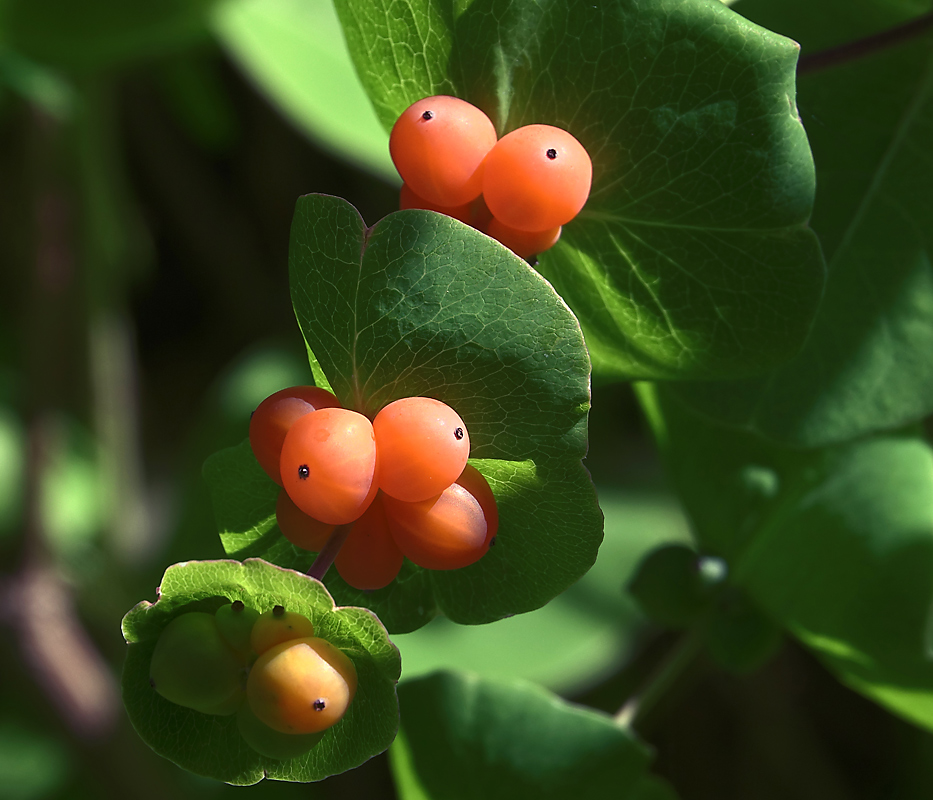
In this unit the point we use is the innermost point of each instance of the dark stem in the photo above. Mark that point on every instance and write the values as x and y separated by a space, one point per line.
668 672
329 552
865 47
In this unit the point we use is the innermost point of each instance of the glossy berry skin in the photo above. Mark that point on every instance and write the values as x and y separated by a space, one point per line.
276 626
369 558
523 243
301 530
423 447
537 178
270 743
408 199
450 531
235 623
328 465
193 666
301 686
275 415
438 145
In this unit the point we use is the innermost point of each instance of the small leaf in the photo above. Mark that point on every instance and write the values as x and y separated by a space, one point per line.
211 745
692 258
467 738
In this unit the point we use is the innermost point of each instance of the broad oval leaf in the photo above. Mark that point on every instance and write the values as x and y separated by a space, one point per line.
421 304
211 745
469 738
866 366
692 258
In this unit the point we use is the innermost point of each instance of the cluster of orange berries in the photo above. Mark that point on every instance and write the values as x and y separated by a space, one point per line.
519 190
286 686
402 481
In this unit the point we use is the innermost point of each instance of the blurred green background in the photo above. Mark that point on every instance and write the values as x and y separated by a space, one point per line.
150 158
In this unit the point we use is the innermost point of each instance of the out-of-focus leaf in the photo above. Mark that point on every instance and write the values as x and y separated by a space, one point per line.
295 52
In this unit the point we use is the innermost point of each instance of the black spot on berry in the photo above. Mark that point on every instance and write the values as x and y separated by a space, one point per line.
492 541
303 472
551 153
319 704
278 611
238 606
251 414
458 434
427 115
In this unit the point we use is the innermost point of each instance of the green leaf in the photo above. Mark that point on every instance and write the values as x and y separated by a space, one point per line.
866 366
295 51
97 34
692 258
466 738
211 745
422 305
836 544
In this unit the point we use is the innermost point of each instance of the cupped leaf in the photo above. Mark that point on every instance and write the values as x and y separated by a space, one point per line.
866 366
211 745
836 544
468 738
692 258
295 51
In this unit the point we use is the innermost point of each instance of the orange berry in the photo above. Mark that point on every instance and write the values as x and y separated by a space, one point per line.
275 415
328 465
449 531
537 178
369 558
523 243
408 199
276 626
423 446
301 530
301 686
438 145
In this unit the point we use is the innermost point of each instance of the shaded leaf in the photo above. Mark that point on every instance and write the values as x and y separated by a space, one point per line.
835 544
866 366
467 738
211 745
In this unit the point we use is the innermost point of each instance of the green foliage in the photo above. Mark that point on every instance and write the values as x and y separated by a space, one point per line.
171 730
692 257
467 738
866 367
423 305
295 51
834 544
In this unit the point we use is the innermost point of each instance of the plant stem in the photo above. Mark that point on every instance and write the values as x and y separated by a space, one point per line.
329 552
861 48
681 656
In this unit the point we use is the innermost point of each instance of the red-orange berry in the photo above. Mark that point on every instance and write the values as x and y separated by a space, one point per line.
408 199
301 530
523 243
328 465
369 558
423 447
438 145
537 178
450 531
275 415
